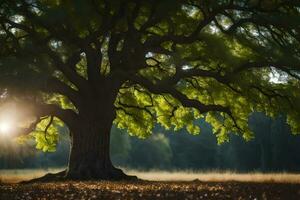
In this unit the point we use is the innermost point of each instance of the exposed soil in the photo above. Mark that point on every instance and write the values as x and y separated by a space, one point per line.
149 190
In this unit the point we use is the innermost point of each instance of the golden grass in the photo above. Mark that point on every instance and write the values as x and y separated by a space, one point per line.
14 176
17 175
218 176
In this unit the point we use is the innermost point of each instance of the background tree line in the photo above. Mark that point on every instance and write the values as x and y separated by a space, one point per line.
274 148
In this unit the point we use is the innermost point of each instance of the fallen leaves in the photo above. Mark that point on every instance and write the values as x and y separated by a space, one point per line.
149 190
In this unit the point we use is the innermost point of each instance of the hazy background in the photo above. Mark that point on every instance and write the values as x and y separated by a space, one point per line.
274 149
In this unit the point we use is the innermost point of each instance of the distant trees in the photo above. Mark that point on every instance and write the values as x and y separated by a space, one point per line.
155 153
273 149
190 151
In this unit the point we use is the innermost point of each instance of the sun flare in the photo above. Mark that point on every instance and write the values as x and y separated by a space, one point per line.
5 127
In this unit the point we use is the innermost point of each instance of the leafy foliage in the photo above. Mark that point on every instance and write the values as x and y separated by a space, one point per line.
46 136
145 62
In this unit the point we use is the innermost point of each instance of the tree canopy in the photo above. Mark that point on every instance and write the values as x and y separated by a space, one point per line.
157 61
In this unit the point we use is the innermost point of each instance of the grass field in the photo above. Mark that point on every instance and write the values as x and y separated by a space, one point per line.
14 176
156 185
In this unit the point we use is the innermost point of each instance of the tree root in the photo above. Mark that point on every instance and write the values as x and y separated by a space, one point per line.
118 174
50 177
114 175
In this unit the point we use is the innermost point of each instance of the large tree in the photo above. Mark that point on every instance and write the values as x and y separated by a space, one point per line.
135 63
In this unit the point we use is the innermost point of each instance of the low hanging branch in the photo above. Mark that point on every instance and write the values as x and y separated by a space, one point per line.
47 127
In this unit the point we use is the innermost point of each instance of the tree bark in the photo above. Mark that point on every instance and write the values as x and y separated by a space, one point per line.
90 155
90 145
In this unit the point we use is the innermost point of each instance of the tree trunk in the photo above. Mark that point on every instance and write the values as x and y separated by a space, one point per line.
90 156
90 146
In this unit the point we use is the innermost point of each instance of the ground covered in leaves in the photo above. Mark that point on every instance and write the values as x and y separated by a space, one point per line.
150 190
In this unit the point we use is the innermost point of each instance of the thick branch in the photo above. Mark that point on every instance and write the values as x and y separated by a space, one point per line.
43 111
46 84
56 86
66 115
68 71
185 101
94 60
